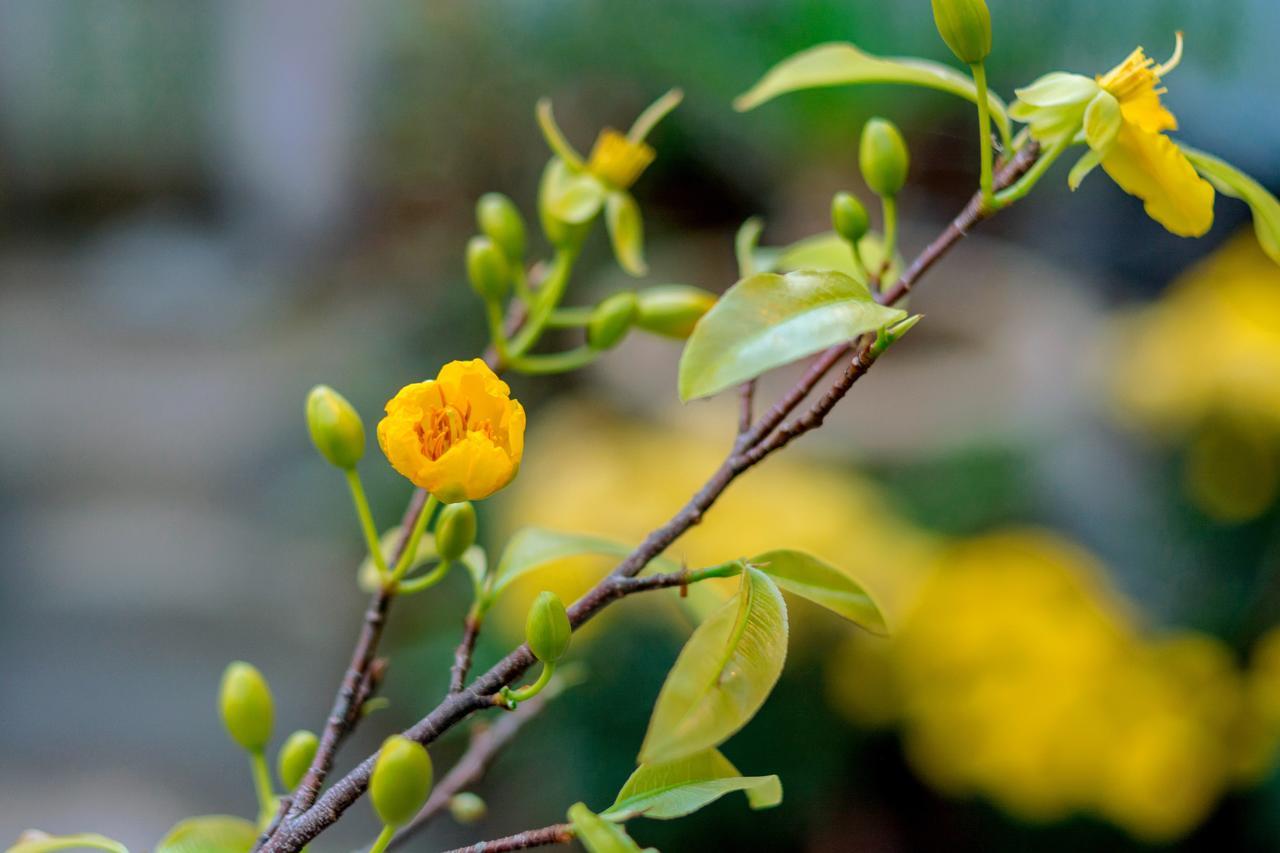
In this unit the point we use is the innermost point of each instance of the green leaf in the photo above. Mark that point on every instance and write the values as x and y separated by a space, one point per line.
1231 181
570 196
533 548
829 251
626 232
768 320
839 63
676 788
723 675
35 841
210 834
599 835
808 577
746 248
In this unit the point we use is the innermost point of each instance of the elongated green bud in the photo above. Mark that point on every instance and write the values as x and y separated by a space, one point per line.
672 310
336 428
500 220
244 701
965 25
295 757
849 218
611 320
547 630
883 157
401 780
467 808
455 530
487 269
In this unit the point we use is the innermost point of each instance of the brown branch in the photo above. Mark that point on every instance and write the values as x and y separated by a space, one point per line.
486 743
559 833
466 648
752 447
747 401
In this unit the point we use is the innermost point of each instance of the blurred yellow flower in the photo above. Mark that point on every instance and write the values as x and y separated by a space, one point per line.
617 159
460 436
1123 121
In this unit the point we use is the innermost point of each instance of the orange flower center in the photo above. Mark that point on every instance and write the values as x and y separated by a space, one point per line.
446 426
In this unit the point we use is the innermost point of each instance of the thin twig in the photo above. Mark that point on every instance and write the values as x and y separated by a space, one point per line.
745 415
558 833
466 648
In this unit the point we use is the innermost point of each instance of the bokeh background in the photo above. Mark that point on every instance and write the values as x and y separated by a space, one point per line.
1063 486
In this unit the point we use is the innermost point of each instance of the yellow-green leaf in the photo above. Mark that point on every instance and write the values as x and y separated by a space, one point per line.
840 63
829 251
533 548
674 789
35 841
1231 181
723 675
210 834
626 232
822 583
768 320
599 835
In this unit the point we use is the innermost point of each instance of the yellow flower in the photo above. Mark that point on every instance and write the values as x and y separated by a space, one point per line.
460 436
1120 116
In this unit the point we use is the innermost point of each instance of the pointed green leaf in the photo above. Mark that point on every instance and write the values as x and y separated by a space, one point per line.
829 251
1231 181
533 548
723 675
839 63
34 841
626 232
210 834
599 835
768 320
822 583
676 788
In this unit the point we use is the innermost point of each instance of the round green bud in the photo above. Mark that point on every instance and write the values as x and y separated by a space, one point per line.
295 757
611 320
467 808
672 310
849 217
883 157
401 780
455 530
965 25
244 701
500 220
335 427
547 630
487 269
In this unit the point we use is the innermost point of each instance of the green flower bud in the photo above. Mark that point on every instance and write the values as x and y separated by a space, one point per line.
611 320
672 310
467 808
335 427
401 780
500 220
547 630
487 269
245 703
455 530
849 218
295 757
883 157
965 25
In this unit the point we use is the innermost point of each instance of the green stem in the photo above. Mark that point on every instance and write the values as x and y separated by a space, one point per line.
1027 182
986 181
383 839
521 278
559 362
547 300
366 520
415 537
426 581
724 570
497 332
524 694
570 318
262 787
889 207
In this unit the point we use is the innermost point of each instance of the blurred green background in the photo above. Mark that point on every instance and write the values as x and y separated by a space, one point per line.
207 207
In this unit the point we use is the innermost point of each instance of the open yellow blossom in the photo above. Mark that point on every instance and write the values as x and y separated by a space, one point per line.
460 436
1122 119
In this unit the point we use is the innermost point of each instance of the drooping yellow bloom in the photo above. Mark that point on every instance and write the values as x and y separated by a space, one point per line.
460 436
618 159
1122 119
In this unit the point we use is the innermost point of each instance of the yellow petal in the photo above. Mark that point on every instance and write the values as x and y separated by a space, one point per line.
1145 110
1150 166
472 469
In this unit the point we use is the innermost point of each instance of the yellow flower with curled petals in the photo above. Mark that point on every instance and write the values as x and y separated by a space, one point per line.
460 436
1120 116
